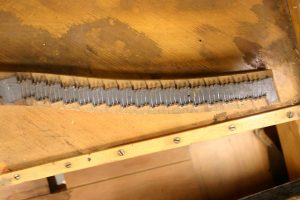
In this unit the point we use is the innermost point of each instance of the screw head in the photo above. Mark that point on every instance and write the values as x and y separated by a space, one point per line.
17 176
121 152
290 114
232 127
177 140
68 165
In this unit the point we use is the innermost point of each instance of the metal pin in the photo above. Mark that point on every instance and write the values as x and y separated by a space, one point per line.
68 165
177 140
17 176
290 114
232 127
121 152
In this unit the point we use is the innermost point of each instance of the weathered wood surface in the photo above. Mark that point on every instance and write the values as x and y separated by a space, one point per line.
135 39
155 38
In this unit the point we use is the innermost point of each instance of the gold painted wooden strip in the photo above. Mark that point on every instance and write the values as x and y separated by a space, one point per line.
153 145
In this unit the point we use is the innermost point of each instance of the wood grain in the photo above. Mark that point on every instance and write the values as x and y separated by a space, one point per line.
176 181
227 168
143 37
135 39
126 167
295 16
145 147
289 134
25 190
233 166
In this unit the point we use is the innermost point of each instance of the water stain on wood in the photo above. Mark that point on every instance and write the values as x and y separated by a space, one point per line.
106 43
189 5
279 11
203 4
212 56
251 52
93 46
111 38
252 38
207 28
270 13
220 117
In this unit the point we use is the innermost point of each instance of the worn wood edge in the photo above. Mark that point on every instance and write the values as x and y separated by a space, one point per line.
152 145
67 80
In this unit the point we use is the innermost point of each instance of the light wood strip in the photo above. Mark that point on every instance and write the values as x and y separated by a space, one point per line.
176 181
25 190
289 134
153 145
126 167
240 157
228 162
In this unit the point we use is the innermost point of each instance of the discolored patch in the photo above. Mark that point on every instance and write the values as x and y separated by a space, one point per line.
281 51
88 48
270 12
251 51
149 5
110 38
24 44
272 20
127 4
204 29
186 5
203 4
272 34
3 168
220 117
279 11
216 57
